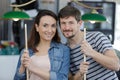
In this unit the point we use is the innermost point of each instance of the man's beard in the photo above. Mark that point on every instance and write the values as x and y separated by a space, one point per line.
70 37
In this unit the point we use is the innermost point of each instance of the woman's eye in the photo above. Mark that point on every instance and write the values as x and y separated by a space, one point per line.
54 25
45 25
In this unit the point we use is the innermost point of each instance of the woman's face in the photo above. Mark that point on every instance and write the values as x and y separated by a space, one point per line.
46 28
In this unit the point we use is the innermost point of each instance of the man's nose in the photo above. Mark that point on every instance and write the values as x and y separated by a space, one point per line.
67 25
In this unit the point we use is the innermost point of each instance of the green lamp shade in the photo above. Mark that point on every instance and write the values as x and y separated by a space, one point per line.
93 17
16 15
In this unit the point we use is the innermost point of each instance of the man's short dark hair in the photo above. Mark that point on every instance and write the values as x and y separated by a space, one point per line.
68 11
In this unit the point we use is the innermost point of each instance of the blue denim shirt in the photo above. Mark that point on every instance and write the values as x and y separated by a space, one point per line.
59 55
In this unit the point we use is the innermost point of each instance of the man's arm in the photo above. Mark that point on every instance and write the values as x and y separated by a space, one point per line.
107 59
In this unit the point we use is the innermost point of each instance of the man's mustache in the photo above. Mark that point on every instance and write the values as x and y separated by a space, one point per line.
67 30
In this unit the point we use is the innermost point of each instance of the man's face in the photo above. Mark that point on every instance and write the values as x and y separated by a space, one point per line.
69 26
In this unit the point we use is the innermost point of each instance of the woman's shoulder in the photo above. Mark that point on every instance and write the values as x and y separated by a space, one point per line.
61 45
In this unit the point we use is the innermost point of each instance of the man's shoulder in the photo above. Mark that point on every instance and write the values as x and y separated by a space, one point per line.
94 32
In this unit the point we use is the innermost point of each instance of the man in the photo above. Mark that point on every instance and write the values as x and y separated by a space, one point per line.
103 62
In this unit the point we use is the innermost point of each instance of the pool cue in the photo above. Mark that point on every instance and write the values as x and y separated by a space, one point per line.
26 48
84 54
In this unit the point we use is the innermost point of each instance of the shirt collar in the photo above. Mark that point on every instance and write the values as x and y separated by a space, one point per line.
54 44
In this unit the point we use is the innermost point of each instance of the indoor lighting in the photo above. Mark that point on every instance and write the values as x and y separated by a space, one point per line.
17 14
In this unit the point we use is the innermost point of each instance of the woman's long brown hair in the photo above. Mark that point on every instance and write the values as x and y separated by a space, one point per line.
34 35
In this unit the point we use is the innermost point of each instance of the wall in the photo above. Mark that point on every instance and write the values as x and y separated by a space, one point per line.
8 67
4 6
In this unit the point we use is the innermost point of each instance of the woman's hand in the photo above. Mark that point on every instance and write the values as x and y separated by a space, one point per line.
26 61
23 61
24 57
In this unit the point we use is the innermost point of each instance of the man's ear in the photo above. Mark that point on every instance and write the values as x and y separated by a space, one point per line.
80 22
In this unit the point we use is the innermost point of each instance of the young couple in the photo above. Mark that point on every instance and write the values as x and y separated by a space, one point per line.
48 59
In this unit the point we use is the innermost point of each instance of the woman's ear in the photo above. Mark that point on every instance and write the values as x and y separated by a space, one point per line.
36 27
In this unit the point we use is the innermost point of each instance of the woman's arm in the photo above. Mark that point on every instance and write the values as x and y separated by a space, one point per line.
20 70
63 72
66 64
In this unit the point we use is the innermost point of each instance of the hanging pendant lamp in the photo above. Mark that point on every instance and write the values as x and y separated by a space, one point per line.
93 17
17 14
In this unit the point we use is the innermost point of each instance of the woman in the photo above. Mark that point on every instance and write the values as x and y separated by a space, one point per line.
48 59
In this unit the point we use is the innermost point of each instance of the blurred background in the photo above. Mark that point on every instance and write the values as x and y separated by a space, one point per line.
12 32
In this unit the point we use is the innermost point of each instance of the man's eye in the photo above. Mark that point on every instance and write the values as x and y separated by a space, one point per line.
71 22
63 23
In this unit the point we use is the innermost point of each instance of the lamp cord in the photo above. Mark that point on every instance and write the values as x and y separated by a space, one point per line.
83 5
24 4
